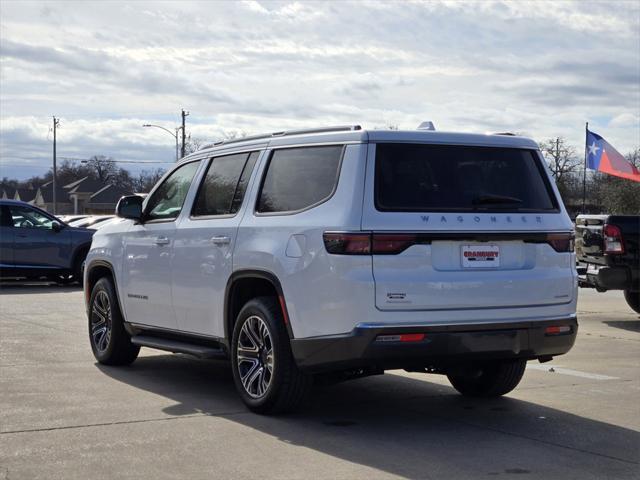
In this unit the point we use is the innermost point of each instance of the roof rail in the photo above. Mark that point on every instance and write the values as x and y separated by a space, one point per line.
285 133
508 134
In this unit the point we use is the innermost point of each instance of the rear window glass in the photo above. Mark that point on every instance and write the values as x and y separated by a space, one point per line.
412 177
298 178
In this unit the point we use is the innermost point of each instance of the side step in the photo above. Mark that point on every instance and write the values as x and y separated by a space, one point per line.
177 346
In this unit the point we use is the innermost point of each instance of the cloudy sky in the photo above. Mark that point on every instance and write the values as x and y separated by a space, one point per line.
105 68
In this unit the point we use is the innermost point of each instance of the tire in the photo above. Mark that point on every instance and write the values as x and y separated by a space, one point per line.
493 379
78 264
633 299
110 342
265 372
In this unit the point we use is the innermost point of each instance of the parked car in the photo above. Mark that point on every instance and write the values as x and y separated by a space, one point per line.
35 244
337 253
71 218
91 221
608 246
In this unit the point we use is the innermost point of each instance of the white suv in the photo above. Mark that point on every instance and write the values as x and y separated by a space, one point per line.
339 253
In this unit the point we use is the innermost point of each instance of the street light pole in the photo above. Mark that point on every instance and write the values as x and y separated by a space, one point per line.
56 123
174 135
184 132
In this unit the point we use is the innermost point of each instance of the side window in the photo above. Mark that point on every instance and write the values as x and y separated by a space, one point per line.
25 217
224 185
298 178
166 202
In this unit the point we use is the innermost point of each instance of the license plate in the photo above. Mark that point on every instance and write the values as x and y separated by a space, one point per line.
480 256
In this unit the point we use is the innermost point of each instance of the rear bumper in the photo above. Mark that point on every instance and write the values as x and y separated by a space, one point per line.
442 345
607 278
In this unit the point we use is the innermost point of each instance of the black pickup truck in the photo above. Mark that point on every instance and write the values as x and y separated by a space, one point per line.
608 251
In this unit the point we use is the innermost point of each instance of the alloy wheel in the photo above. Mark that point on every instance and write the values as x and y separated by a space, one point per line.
101 321
255 356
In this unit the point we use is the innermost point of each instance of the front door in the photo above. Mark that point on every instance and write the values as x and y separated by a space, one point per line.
37 244
204 244
148 247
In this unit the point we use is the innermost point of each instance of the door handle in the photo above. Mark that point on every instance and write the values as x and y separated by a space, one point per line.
220 240
162 241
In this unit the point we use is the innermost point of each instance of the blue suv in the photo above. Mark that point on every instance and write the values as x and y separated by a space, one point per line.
35 244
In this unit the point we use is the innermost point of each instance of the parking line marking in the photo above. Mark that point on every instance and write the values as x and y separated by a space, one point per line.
568 371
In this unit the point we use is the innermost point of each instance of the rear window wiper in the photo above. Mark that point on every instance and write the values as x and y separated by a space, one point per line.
494 200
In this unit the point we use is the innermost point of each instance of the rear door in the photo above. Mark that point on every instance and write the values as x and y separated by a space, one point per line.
204 244
6 238
464 228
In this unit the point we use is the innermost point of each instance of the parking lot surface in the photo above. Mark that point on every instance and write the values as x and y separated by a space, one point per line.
171 416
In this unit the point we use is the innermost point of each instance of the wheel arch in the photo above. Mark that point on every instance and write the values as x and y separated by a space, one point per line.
79 250
96 270
242 286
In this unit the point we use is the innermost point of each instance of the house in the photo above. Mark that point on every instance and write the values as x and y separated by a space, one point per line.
44 199
25 194
104 201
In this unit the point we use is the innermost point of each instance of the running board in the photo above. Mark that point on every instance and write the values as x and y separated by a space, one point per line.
176 346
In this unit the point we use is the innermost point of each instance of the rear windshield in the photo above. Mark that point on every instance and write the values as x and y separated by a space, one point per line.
416 177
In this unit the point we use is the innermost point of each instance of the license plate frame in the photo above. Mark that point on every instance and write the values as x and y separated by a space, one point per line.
485 256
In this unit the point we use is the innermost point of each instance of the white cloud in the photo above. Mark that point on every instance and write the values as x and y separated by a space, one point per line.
107 67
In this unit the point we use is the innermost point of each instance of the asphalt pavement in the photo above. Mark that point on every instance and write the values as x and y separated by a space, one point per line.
171 416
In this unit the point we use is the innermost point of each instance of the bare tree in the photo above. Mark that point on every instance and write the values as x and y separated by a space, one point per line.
562 158
147 179
563 161
103 168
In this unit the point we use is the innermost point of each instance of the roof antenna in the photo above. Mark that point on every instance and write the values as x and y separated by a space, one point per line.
426 126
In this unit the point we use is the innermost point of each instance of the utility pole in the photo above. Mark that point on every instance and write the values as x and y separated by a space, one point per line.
184 116
56 123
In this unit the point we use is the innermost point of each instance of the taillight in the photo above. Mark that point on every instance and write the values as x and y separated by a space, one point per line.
389 244
369 243
558 330
403 337
347 243
561 242
613 239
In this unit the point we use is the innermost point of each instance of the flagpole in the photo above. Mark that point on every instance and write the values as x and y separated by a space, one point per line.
584 173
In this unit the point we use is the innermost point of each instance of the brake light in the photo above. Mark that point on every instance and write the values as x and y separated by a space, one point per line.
557 330
613 243
404 337
347 243
389 244
561 242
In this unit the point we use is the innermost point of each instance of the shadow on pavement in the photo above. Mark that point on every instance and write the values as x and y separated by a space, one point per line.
631 325
10 287
405 426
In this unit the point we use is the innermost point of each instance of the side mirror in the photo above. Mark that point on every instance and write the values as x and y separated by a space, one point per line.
130 207
56 226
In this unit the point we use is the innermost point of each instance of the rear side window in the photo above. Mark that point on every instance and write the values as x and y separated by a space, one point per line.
224 185
414 177
299 178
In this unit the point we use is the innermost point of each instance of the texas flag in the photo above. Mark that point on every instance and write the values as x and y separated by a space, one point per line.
603 157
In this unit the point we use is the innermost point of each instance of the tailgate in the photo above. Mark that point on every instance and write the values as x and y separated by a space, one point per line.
589 239
465 227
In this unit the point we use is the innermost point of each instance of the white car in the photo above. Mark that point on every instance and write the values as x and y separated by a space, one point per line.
342 252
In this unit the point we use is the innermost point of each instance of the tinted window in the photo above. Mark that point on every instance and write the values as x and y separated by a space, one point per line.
224 184
244 181
298 178
459 178
166 202
25 217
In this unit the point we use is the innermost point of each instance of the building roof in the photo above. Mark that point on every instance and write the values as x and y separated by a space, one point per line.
84 185
46 190
27 194
108 194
